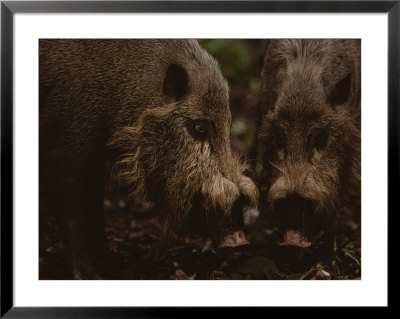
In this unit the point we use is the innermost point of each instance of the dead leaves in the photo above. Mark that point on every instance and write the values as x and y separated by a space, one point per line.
181 275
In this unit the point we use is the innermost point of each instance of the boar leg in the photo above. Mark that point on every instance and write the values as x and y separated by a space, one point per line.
94 181
83 213
81 264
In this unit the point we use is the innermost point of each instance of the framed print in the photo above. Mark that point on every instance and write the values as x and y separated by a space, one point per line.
167 154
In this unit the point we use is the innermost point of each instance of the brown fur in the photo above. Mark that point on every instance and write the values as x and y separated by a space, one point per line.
139 98
310 126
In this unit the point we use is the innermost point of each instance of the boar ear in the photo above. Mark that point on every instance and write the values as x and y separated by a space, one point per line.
176 82
341 92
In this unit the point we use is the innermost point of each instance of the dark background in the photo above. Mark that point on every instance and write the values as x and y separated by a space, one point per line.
134 234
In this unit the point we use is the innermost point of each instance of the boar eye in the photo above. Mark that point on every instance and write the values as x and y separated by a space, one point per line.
321 138
200 129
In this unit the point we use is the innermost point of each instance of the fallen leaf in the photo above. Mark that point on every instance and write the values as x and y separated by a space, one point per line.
135 234
113 245
295 238
180 275
56 247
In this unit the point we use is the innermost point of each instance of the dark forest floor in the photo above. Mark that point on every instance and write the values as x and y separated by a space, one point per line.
134 237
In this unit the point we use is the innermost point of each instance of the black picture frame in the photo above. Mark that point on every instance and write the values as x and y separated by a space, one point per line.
9 8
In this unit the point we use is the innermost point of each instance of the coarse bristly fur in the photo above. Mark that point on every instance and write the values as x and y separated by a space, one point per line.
142 99
167 165
310 128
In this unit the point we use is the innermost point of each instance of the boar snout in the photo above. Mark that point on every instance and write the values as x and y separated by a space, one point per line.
222 193
295 213
293 210
229 201
230 228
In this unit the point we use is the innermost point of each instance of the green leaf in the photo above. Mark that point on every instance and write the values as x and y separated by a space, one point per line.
207 245
224 264
317 236
269 231
238 127
236 276
352 257
300 276
259 266
343 241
